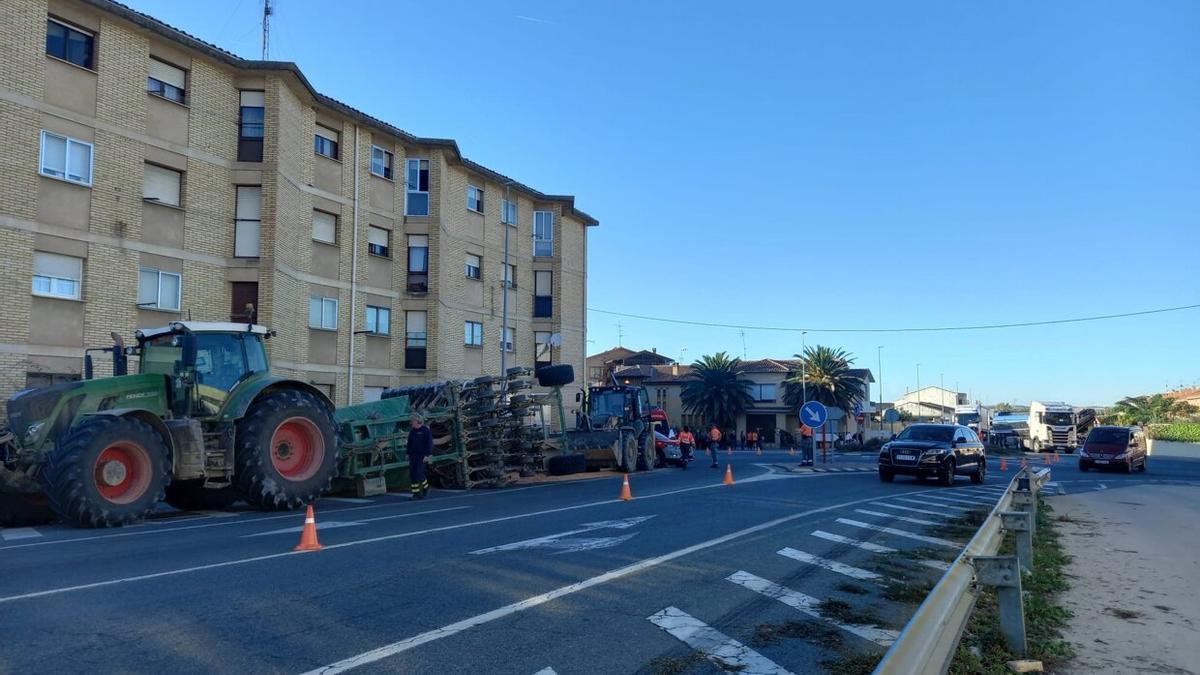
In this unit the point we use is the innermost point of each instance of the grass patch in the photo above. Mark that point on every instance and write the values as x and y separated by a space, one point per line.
906 592
963 527
983 649
926 553
858 663
770 633
852 588
676 665
842 612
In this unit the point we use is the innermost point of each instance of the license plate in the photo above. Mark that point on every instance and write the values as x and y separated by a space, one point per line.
1101 461
906 458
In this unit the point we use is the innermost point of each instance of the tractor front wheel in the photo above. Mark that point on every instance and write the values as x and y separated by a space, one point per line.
109 471
286 450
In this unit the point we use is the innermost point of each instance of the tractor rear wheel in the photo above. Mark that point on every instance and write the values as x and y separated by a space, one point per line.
191 495
286 450
109 471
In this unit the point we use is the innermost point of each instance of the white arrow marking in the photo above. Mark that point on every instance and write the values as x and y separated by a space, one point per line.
1102 486
323 525
573 545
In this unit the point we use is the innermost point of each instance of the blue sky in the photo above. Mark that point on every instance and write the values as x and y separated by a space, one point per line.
844 165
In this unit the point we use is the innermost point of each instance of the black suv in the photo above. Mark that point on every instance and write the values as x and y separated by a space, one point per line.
940 451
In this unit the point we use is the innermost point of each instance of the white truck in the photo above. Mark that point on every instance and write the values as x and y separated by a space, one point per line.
975 416
1053 426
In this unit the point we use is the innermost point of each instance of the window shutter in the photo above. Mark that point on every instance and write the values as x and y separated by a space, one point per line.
54 154
148 287
324 227
377 236
167 73
53 265
161 185
327 134
415 321
254 99
249 202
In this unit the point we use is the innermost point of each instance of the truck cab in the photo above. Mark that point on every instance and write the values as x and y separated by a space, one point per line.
1052 426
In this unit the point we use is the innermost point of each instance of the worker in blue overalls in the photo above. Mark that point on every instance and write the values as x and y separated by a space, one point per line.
420 448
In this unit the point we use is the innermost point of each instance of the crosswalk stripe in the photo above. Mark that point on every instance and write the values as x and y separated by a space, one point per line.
15 533
914 521
864 545
958 500
808 605
831 565
924 503
908 508
936 564
713 643
898 533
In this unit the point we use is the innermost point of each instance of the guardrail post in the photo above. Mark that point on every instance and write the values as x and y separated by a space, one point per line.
1025 498
1018 522
1004 573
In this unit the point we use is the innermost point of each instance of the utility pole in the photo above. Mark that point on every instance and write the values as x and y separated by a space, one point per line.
879 356
918 392
620 335
942 394
743 345
505 284
266 23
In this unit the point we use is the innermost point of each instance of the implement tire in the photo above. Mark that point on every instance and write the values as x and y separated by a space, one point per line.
565 465
109 471
191 495
556 376
286 450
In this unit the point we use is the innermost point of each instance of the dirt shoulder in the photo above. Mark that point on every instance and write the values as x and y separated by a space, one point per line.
1135 579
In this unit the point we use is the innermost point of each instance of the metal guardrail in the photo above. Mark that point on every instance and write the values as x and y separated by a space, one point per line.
930 639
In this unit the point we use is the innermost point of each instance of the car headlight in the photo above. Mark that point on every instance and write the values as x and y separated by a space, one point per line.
1123 455
32 431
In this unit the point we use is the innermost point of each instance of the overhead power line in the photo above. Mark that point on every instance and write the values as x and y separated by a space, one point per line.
923 329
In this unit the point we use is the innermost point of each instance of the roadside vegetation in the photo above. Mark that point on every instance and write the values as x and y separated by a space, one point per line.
1156 409
1182 432
983 649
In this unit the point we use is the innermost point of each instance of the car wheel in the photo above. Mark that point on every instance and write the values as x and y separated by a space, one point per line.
980 473
1145 461
946 477
886 475
1128 468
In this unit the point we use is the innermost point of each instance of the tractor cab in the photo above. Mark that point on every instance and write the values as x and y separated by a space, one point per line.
209 359
615 406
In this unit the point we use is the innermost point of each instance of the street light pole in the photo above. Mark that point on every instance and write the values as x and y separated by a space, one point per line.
879 356
504 284
918 391
942 393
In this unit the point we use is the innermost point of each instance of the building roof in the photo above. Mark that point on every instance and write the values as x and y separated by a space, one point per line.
1190 394
627 372
230 59
670 375
611 354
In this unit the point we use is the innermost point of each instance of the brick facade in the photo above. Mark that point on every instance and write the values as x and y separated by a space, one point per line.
115 232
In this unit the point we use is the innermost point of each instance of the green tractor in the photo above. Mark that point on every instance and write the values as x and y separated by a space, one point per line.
202 424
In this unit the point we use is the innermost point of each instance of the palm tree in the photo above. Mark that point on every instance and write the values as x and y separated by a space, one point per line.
1149 410
715 390
829 379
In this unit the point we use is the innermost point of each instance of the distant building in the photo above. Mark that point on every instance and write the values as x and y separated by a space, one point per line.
931 404
623 363
1190 396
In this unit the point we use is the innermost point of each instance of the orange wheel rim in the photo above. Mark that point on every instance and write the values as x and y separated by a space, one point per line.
297 448
122 472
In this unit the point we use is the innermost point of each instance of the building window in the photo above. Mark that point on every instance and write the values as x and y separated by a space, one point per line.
510 276
381 162
474 267
322 312
473 334
66 158
379 320
325 142
475 198
415 340
324 227
162 185
543 233
167 81
417 188
508 212
69 43
57 276
250 126
509 339
418 263
543 293
158 289
763 392
247 224
542 349
596 373
379 241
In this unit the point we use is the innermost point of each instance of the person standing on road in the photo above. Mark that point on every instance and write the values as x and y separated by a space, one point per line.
686 443
420 449
714 443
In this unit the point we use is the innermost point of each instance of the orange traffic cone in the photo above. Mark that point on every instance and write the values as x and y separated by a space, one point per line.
1004 464
728 475
308 537
626 495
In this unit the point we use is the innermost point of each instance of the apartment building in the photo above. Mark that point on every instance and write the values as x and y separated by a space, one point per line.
148 177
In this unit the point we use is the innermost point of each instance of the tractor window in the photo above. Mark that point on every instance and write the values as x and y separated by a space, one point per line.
220 361
256 355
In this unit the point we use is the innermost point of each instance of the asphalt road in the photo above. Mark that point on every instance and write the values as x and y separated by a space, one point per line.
562 577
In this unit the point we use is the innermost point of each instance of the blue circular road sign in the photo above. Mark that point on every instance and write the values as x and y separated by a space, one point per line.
813 414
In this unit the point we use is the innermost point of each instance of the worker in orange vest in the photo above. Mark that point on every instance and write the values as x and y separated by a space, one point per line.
714 443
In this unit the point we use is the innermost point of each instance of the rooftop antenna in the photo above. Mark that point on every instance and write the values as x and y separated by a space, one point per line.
620 335
743 344
266 21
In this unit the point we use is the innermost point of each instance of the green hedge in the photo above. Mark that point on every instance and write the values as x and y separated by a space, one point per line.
1184 432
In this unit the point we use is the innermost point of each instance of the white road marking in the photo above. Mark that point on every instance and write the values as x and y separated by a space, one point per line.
501 612
959 500
864 545
322 525
831 565
914 521
348 500
890 530
925 503
561 544
1101 486
808 605
15 533
718 647
909 509
546 671
940 565
221 514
